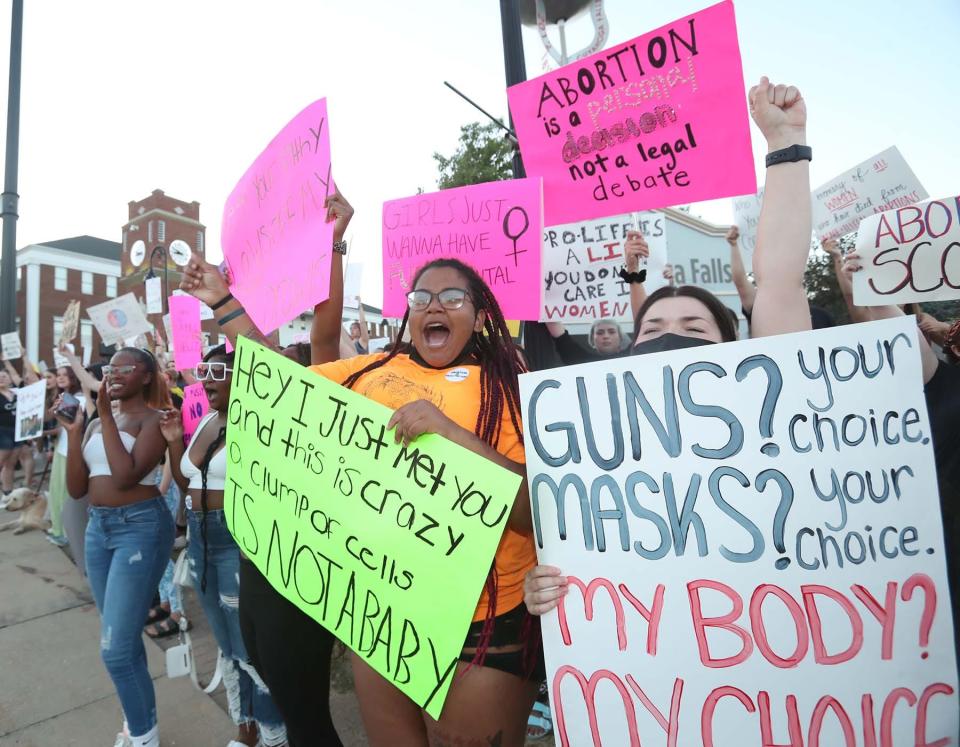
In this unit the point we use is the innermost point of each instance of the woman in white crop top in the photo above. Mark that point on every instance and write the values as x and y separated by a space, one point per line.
130 531
201 472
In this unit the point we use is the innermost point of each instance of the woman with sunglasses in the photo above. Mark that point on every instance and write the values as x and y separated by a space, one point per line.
462 360
129 535
200 471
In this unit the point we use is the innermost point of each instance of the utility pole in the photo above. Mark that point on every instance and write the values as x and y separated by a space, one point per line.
513 62
10 198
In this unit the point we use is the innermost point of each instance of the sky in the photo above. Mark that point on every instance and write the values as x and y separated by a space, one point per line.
120 97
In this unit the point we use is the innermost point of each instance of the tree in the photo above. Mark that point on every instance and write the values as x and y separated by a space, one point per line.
483 155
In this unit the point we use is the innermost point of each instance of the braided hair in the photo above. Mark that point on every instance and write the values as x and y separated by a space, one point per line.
219 352
500 365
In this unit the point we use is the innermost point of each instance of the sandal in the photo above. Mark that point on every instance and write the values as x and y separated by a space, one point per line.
539 723
164 628
156 614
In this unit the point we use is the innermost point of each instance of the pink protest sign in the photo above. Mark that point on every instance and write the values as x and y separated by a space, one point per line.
195 406
656 121
276 240
185 326
494 227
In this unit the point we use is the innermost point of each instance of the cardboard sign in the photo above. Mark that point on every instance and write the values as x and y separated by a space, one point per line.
351 284
656 121
118 319
752 536
31 401
187 337
154 295
493 227
11 346
884 182
746 216
276 240
336 516
71 321
582 261
195 406
910 254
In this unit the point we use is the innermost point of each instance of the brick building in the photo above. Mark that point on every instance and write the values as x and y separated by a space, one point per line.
49 276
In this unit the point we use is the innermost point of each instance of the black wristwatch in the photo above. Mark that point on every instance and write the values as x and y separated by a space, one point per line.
632 277
340 247
790 155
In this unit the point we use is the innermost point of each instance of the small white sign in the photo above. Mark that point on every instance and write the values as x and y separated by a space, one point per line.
883 182
351 284
11 346
30 405
154 295
119 319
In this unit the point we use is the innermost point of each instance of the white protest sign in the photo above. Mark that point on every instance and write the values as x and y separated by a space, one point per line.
60 360
377 344
119 319
911 254
581 262
752 535
746 216
11 346
351 284
154 295
30 405
883 182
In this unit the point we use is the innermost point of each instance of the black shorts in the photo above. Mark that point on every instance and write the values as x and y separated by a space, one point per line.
509 629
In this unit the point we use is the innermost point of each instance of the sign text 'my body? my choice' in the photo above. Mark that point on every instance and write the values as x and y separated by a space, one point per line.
754 543
362 534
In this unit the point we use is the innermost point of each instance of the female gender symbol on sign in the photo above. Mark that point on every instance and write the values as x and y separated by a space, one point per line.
512 237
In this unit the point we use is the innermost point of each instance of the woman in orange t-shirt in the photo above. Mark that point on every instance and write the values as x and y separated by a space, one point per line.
459 381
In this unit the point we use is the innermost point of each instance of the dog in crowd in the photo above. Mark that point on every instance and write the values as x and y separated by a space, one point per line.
33 508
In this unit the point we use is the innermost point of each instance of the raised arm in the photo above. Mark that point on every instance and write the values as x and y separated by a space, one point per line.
30 374
86 379
928 359
14 376
78 474
327 316
783 232
171 426
745 289
634 250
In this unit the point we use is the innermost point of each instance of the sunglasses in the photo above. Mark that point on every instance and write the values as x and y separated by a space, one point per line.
216 371
450 298
119 370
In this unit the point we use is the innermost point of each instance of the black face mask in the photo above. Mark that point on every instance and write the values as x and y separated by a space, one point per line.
668 341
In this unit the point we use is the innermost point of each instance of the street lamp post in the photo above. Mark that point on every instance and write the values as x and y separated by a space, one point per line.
513 62
10 199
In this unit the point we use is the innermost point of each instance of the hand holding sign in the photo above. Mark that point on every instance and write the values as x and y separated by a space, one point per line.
203 280
636 249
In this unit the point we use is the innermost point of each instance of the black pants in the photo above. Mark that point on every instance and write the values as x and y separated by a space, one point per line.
291 653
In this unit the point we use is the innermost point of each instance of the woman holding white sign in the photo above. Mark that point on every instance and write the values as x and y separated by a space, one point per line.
672 318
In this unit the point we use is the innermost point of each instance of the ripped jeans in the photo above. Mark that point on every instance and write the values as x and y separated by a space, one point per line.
126 550
247 696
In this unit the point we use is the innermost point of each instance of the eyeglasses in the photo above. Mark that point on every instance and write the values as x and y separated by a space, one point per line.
450 298
120 370
216 371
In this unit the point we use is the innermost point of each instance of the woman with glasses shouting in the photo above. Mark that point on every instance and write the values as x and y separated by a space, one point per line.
460 381
201 472
129 535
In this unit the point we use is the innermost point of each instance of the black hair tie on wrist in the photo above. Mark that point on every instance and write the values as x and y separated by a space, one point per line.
632 277
226 299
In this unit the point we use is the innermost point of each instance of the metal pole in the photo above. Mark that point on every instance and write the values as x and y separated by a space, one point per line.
10 198
513 62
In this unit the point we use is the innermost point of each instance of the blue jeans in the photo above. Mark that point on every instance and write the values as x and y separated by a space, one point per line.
127 549
248 698
168 592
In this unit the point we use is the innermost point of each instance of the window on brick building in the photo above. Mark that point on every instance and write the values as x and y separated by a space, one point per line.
86 283
161 230
60 278
111 287
57 328
200 241
150 232
86 334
